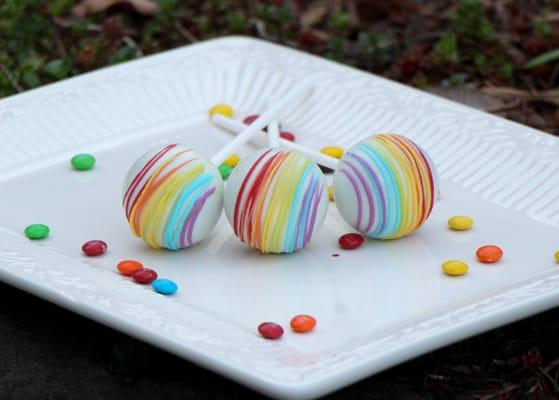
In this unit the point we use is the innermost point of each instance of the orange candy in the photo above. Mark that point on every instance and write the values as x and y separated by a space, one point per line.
128 267
303 323
489 254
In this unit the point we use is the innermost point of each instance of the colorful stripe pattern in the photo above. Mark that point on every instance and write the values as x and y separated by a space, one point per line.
172 197
385 186
275 200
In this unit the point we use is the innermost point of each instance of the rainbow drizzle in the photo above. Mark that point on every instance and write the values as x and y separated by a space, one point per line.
280 201
394 184
163 201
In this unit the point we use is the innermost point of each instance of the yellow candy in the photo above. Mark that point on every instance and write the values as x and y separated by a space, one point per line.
331 193
232 161
460 223
455 267
222 109
557 256
333 151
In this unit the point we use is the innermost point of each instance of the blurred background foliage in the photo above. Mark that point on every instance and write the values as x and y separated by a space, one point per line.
500 56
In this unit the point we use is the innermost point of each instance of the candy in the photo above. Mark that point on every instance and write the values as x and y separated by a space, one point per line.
225 170
82 162
287 136
460 223
275 200
172 197
94 248
455 267
37 231
350 241
164 286
331 193
385 186
128 267
222 109
250 119
144 275
489 254
270 330
303 323
232 161
333 151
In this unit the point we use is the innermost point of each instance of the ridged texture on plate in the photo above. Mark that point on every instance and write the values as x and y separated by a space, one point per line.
172 197
385 186
275 200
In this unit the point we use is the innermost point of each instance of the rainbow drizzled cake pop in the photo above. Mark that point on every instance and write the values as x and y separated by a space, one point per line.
172 197
385 186
276 200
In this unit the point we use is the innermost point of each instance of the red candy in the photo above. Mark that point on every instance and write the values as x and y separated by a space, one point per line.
250 119
287 136
351 241
270 330
94 248
144 275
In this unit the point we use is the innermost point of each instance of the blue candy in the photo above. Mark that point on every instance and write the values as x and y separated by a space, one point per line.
164 286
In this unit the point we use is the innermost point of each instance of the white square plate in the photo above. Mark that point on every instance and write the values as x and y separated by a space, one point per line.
376 306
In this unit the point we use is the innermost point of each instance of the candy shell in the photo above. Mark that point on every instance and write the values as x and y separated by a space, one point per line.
333 151
287 136
164 286
222 109
275 200
460 223
232 161
455 267
144 275
331 193
225 170
128 267
303 323
351 241
250 119
83 162
173 197
270 330
385 186
94 248
37 231
489 254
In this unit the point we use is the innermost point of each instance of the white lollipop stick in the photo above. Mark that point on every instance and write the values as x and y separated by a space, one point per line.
236 127
273 134
249 131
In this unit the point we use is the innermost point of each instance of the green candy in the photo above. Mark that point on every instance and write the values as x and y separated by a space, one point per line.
37 231
83 162
225 170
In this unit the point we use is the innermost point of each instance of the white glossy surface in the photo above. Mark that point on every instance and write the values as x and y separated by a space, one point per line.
377 306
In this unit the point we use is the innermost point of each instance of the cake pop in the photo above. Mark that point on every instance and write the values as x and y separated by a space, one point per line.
173 196
275 200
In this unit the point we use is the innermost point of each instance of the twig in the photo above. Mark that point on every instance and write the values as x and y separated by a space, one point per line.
132 43
546 95
185 33
507 107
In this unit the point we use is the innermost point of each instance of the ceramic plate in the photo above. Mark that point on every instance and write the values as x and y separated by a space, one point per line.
377 306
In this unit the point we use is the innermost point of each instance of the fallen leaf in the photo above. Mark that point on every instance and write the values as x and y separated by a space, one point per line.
314 14
89 7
